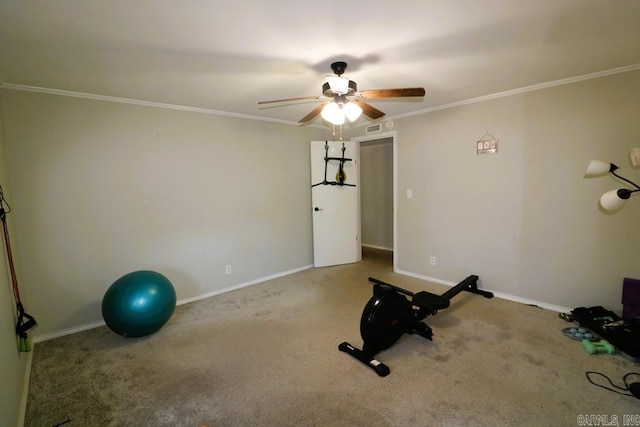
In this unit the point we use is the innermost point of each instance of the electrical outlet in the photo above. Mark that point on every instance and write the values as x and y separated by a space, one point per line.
227 269
433 260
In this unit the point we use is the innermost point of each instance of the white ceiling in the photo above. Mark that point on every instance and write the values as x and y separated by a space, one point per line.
226 56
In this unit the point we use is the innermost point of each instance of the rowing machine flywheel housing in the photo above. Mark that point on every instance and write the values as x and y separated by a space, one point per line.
385 318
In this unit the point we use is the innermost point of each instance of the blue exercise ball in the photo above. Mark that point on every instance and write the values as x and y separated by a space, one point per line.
138 303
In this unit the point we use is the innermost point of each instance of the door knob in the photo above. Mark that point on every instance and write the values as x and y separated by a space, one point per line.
317 209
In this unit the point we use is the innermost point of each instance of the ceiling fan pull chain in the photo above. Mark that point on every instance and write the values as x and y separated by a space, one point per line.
339 132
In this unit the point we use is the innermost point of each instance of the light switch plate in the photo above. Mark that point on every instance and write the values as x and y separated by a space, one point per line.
634 153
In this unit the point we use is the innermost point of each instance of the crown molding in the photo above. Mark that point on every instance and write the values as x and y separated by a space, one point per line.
524 89
50 91
121 100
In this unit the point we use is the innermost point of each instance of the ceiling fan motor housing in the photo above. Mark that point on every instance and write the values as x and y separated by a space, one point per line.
339 67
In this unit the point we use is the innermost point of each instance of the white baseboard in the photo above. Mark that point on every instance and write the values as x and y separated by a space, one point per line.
85 327
70 331
243 285
383 248
500 295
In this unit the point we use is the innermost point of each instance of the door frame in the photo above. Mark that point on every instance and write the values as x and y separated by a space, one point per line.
394 141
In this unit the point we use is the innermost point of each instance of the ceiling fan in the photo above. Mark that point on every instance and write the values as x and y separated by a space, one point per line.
344 101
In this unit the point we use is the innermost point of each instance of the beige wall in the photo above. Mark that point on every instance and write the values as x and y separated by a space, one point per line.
102 189
13 364
376 193
525 220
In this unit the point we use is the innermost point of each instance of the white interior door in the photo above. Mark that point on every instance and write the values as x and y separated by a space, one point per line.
335 203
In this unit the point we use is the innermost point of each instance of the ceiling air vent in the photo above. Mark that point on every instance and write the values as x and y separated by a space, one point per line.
373 128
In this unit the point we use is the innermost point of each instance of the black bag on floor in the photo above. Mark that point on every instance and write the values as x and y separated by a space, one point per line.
624 335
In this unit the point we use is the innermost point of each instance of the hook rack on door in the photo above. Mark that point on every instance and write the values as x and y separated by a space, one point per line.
341 176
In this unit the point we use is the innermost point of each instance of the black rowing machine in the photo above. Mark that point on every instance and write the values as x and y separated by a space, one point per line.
389 314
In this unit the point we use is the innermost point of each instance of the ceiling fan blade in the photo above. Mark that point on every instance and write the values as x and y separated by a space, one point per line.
289 99
369 110
393 93
312 115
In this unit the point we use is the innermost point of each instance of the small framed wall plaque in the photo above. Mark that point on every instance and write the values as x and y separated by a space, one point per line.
488 144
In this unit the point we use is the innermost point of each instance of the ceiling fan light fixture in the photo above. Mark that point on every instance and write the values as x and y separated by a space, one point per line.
339 85
352 111
339 91
333 113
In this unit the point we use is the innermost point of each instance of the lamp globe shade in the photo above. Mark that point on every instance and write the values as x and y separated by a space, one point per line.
611 202
339 85
352 111
333 113
597 168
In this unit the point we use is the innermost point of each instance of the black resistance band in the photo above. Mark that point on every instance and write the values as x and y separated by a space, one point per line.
24 320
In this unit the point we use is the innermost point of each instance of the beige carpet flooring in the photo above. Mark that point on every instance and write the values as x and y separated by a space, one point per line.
266 355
